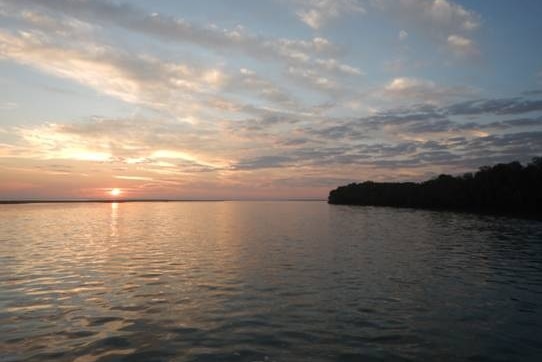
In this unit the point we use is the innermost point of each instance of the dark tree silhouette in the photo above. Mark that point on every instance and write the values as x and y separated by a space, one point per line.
508 188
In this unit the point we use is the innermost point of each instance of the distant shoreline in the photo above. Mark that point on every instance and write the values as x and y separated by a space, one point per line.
105 201
504 189
10 202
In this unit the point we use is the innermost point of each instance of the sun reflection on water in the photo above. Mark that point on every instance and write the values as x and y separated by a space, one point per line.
114 220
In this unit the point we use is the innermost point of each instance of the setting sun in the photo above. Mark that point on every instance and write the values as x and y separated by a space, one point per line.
115 192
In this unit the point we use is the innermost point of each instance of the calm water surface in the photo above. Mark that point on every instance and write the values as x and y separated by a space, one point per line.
266 281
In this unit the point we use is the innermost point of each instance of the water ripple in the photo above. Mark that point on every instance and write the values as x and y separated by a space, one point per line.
266 281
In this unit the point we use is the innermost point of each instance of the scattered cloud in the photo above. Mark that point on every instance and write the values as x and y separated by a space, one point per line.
133 178
316 13
171 29
502 106
333 65
73 49
407 142
148 143
444 21
402 84
201 106
431 135
132 78
534 92
247 80
262 162
312 78
423 90
443 15
462 46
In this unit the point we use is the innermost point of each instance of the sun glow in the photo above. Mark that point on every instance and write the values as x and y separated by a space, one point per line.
115 192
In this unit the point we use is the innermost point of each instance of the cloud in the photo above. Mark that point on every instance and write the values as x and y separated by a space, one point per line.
189 90
416 137
501 106
507 124
312 181
461 153
43 20
311 78
316 13
447 12
423 119
417 89
439 14
132 78
133 178
181 90
333 65
157 145
249 82
337 132
534 92
262 162
221 116
402 84
462 46
166 156
420 136
170 29
444 21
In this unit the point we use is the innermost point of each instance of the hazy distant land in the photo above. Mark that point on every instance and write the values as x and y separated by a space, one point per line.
97 201
70 201
509 188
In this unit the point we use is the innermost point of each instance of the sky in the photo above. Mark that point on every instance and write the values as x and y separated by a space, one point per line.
267 99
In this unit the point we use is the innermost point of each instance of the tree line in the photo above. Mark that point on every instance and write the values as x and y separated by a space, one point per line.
509 188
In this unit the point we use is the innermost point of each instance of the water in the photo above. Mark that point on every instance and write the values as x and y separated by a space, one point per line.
266 281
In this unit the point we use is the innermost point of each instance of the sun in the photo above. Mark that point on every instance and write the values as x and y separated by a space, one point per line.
115 192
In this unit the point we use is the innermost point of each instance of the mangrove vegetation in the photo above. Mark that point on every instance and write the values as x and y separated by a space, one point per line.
505 188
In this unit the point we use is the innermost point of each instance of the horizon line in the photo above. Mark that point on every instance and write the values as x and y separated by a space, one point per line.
57 201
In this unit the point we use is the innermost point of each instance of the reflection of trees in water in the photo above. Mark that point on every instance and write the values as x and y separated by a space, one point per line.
507 188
